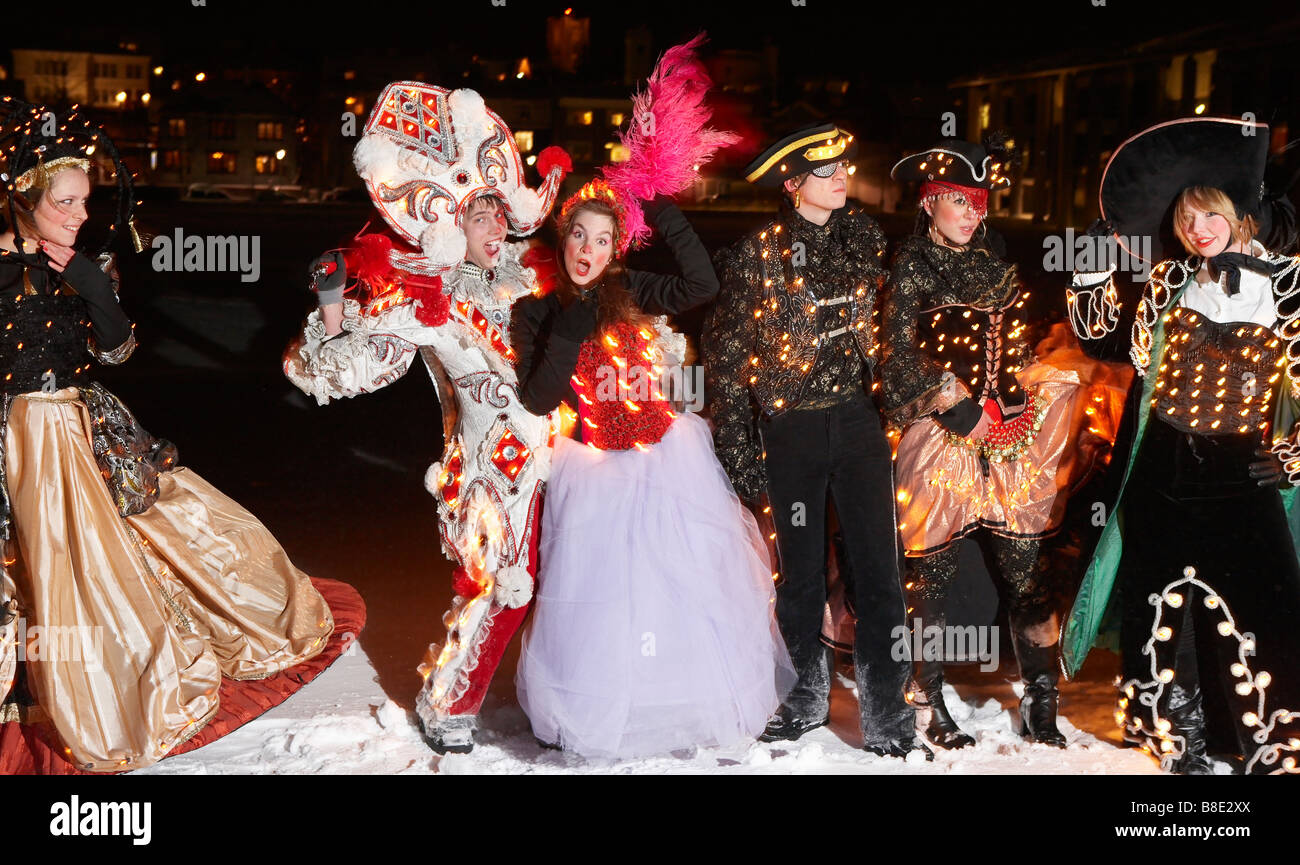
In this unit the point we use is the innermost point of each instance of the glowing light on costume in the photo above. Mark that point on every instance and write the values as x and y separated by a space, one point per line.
1149 693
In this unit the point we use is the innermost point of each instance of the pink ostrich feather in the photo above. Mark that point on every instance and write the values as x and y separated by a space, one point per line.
667 137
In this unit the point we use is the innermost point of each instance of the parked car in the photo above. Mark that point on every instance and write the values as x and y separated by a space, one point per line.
208 192
346 195
277 195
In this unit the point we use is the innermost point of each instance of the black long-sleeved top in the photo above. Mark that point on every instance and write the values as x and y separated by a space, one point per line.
46 318
546 358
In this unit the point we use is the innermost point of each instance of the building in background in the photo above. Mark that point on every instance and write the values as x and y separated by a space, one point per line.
567 39
114 87
97 79
1069 117
228 134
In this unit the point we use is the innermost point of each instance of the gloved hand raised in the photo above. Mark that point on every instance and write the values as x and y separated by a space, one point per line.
328 274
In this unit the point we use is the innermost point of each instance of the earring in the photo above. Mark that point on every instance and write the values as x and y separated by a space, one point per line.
796 199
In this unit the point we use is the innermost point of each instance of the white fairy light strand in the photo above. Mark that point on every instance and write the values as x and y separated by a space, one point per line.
1288 451
1171 747
1156 295
1098 313
1286 285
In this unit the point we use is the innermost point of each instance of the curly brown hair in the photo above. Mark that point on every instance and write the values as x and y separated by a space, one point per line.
615 303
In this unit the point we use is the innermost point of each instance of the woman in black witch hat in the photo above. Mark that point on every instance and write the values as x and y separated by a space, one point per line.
155 583
984 443
1198 559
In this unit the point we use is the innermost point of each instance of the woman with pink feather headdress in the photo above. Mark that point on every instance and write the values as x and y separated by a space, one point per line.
653 626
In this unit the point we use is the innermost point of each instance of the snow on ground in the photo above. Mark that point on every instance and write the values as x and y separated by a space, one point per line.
343 723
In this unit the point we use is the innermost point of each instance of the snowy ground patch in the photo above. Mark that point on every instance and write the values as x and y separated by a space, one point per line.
343 723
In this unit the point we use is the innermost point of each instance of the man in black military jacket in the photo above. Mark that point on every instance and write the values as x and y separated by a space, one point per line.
789 350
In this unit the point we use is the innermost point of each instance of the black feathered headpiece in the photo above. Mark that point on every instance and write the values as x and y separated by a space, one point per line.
35 141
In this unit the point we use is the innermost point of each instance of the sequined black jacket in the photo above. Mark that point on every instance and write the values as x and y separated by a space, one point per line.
953 334
789 333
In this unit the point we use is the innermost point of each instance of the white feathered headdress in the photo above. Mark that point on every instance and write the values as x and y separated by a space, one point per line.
427 151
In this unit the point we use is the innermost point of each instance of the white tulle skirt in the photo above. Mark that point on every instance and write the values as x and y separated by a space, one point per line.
653 627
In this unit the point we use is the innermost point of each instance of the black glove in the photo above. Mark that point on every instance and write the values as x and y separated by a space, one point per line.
656 205
1100 228
577 321
961 418
111 326
88 280
1267 470
328 274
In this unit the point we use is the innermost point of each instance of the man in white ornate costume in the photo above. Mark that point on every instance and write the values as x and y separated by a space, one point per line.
444 172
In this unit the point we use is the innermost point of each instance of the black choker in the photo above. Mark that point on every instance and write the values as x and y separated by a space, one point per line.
487 274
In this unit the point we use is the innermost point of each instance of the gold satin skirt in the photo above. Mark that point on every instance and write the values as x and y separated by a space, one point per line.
136 619
943 493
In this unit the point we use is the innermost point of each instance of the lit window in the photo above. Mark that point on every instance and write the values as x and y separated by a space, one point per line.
524 140
222 162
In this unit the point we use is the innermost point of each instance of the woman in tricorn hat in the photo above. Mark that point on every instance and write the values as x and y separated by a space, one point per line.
985 441
1198 555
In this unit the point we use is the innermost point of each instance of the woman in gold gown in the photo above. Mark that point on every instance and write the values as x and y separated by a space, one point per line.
130 584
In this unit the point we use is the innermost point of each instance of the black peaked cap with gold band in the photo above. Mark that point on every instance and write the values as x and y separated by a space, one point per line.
799 152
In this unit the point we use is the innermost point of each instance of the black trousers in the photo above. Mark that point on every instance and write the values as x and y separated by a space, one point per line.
841 450
1190 502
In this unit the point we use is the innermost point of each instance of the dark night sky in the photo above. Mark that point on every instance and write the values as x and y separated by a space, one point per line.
933 41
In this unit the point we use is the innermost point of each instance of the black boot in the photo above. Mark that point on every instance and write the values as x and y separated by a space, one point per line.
899 748
454 735
785 726
1187 719
942 729
1038 668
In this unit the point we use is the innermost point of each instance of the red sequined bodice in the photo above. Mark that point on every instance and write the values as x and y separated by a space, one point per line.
617 381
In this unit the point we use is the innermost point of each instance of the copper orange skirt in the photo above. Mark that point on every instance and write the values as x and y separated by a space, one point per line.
944 492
